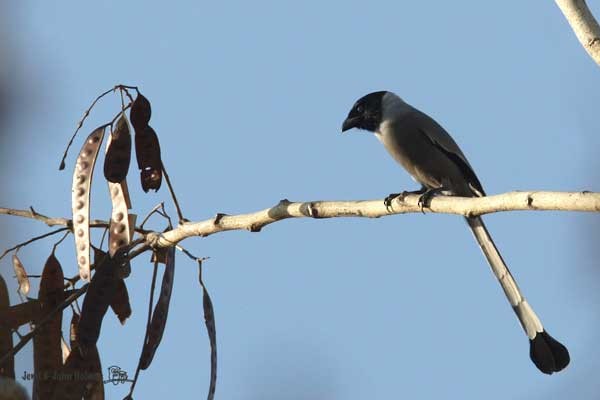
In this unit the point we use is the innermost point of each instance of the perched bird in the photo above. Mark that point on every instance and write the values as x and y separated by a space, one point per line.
434 160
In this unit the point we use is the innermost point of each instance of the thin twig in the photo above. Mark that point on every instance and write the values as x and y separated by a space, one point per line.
179 213
23 244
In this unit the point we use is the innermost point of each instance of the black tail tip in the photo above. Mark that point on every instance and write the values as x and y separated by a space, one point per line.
548 354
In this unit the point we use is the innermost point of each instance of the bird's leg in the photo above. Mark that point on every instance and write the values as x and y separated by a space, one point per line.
427 195
388 200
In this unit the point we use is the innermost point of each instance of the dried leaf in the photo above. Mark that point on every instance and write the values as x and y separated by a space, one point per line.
20 314
209 320
65 349
147 151
82 181
161 312
118 155
7 368
98 297
120 302
21 275
47 352
140 112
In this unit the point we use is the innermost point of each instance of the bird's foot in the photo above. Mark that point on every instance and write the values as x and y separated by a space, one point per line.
425 199
400 196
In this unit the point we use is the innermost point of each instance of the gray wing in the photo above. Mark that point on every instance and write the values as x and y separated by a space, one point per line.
444 142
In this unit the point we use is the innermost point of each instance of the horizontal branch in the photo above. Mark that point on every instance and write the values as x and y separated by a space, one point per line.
466 206
254 222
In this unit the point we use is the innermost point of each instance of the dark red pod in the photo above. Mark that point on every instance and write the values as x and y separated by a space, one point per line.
118 155
147 151
140 112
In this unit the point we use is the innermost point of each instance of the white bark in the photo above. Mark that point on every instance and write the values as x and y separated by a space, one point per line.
467 206
583 24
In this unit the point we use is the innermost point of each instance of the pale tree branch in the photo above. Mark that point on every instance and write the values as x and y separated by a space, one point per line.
584 25
254 222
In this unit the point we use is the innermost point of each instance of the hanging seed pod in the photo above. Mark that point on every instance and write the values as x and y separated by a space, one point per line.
21 275
119 232
147 151
20 314
7 368
161 311
47 352
120 302
98 297
81 377
118 155
82 181
140 112
209 320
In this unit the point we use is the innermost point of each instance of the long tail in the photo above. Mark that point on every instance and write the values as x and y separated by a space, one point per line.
546 353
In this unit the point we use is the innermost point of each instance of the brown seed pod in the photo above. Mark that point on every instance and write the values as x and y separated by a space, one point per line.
118 155
147 151
80 377
120 302
47 352
20 314
98 297
82 181
7 368
140 112
161 312
209 320
21 275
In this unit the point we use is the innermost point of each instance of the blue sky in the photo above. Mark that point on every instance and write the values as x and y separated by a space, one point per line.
248 101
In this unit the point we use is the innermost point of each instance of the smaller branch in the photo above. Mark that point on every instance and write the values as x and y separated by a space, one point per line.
584 25
50 221
179 213
23 244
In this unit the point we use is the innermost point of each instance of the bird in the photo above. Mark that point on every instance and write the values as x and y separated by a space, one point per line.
433 159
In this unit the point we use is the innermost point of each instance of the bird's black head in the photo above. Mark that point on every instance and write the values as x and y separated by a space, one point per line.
366 113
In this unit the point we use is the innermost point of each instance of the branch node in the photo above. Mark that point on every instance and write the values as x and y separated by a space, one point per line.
218 218
312 211
255 227
283 202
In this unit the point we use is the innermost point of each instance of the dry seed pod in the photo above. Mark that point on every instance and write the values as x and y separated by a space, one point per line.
118 155
119 233
80 376
21 275
98 297
82 181
209 320
7 368
20 314
161 311
147 151
47 352
120 302
140 112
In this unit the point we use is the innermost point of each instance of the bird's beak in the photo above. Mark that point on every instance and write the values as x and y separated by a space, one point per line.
350 123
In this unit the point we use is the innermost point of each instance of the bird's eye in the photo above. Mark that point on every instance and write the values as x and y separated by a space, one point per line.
360 108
